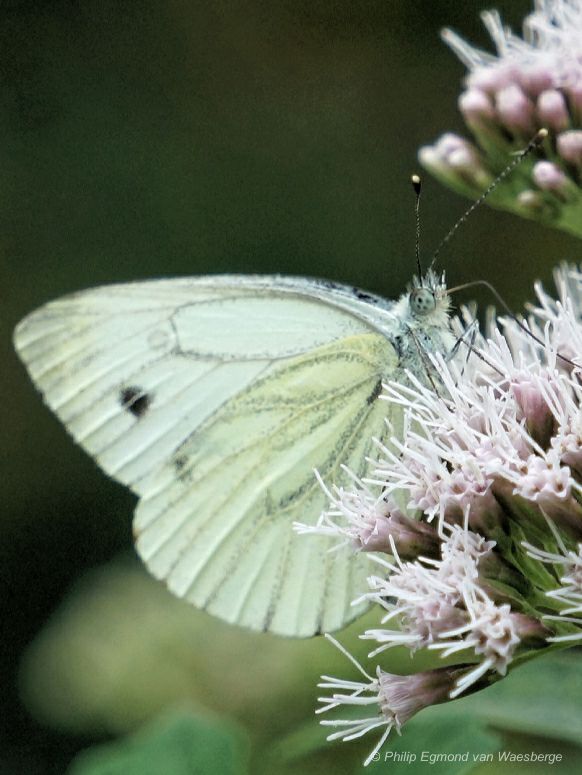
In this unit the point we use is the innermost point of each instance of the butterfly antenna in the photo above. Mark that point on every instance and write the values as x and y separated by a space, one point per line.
536 141
417 187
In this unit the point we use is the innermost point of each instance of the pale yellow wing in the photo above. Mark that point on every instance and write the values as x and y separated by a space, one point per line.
214 400
215 521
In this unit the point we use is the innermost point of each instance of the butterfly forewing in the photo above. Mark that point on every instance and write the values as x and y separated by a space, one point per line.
215 399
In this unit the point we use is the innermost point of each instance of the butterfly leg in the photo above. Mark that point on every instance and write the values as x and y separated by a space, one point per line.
471 331
470 334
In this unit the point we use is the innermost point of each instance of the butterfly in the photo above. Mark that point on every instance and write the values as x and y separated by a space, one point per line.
214 399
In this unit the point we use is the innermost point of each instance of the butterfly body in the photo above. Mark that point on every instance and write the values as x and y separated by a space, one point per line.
214 399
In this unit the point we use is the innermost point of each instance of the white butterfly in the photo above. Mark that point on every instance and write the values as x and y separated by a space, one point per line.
214 399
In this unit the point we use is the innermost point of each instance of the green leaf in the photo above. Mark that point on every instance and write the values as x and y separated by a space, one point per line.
439 744
302 741
542 698
179 743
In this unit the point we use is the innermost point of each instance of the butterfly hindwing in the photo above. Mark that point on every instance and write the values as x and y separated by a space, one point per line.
223 506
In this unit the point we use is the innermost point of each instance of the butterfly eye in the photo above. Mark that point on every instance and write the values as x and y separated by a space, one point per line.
422 300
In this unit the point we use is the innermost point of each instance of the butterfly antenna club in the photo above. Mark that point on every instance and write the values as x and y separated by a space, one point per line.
416 185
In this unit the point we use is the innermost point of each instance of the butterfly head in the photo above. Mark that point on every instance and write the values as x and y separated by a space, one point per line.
422 301
427 299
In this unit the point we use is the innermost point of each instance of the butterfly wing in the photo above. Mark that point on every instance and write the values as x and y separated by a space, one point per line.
214 399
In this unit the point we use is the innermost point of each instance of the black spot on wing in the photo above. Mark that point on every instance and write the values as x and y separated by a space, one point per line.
181 468
135 400
180 462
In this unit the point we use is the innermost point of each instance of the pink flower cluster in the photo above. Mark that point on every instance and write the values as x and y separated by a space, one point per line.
482 562
532 83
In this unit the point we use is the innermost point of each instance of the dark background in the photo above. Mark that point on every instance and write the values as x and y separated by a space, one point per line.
150 139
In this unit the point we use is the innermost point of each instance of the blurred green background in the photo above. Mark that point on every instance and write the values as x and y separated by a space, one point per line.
148 139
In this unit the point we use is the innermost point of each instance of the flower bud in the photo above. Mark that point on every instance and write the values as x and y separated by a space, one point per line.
531 85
